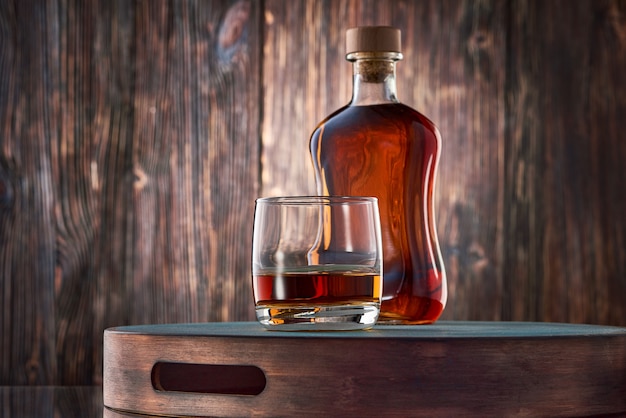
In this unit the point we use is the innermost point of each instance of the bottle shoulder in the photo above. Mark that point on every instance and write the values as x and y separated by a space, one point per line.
371 116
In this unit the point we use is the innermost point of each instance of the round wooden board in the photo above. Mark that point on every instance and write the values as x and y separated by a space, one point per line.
445 369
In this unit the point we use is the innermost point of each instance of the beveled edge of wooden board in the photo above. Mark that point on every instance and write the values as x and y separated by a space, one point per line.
440 331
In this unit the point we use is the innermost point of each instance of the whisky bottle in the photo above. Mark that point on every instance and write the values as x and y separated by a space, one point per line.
378 146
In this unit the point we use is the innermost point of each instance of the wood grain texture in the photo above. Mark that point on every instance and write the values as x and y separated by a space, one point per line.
51 401
565 207
27 209
305 76
446 369
135 136
129 165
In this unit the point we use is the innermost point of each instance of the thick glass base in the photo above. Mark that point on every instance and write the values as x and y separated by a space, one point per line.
318 318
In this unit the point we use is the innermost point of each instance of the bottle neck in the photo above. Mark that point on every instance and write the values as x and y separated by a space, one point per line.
374 77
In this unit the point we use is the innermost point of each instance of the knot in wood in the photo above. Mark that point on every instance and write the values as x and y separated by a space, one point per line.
232 31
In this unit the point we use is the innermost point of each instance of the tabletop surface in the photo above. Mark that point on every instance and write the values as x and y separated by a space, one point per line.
439 330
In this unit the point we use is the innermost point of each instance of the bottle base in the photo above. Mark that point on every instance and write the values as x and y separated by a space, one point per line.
391 318
412 310
318 318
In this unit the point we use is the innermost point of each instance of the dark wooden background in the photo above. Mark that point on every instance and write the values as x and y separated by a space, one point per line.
135 136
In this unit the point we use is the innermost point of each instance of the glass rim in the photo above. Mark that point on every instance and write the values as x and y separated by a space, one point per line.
316 200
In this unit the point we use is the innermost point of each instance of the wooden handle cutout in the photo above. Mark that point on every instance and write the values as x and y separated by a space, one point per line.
208 378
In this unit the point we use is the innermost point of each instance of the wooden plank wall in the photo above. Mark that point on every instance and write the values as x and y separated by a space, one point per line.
135 136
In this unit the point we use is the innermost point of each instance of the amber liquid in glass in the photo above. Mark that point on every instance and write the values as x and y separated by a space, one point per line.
316 289
390 151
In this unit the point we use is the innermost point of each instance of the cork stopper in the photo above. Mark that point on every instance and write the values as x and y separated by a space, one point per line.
373 39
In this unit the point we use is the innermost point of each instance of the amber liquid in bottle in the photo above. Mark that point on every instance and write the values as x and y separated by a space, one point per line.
388 150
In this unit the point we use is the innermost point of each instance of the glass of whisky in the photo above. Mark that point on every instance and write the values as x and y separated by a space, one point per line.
317 262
